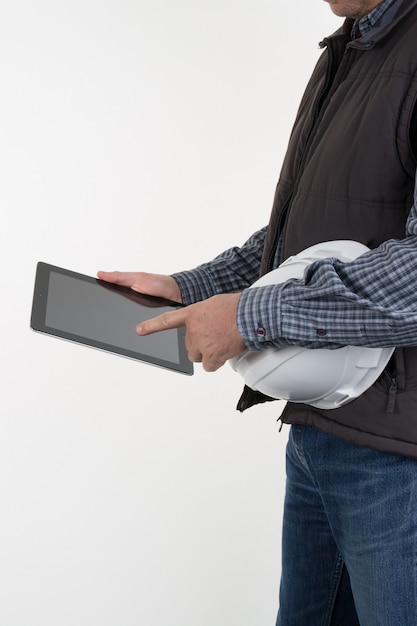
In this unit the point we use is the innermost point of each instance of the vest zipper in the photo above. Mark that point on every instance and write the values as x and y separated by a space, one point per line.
392 395
281 220
327 83
324 91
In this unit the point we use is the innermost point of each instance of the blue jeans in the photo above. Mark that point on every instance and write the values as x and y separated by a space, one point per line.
349 535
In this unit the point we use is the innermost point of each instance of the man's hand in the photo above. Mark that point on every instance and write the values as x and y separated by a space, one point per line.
159 285
211 335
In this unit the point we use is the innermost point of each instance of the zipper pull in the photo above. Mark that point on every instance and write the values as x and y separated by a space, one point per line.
392 395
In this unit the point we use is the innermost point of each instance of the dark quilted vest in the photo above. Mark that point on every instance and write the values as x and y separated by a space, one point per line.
349 174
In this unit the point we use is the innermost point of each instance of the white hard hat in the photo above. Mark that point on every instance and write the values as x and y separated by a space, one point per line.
323 378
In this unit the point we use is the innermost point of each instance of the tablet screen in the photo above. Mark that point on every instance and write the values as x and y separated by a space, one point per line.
102 315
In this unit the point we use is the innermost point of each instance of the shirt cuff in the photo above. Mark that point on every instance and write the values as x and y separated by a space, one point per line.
258 317
195 285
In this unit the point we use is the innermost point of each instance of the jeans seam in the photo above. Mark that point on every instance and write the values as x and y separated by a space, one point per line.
337 575
299 450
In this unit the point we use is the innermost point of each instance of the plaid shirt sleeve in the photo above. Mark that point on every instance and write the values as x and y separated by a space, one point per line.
370 301
232 271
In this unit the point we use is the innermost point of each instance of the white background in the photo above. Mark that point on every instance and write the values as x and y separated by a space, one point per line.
138 135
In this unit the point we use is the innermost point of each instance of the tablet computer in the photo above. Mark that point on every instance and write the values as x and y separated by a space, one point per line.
102 315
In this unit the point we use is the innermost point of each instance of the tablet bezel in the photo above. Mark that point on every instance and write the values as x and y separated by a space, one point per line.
39 308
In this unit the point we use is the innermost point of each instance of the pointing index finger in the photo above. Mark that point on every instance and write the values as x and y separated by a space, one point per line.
171 319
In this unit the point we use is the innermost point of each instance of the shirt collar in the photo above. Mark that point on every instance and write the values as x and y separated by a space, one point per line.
367 23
